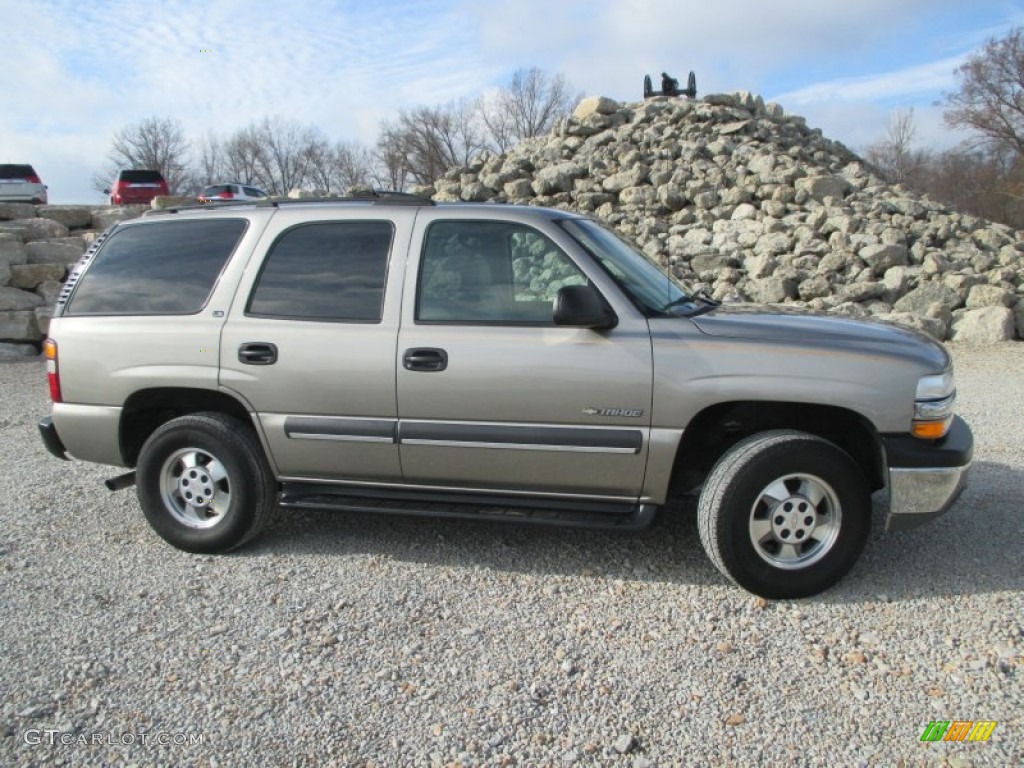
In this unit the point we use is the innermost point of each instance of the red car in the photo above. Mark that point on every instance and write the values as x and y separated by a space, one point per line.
137 187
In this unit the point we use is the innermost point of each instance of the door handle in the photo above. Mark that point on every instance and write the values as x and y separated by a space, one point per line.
425 359
257 353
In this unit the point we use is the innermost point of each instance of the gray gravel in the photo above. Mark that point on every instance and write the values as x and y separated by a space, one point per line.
349 640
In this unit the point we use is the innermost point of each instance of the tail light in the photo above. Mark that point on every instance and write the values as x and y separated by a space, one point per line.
34 179
52 372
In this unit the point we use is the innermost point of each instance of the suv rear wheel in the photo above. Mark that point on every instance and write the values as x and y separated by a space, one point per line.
784 514
204 484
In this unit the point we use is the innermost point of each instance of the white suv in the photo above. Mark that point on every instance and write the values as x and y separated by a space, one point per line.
19 183
231 192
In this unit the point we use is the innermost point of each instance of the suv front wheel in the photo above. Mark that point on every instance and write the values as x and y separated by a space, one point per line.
784 514
204 484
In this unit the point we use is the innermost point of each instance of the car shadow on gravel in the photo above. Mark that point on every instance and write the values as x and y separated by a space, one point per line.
669 551
974 548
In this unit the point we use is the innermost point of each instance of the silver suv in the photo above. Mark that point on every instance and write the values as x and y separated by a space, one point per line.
390 355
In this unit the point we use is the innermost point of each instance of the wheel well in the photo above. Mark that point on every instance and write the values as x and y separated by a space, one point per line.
147 409
717 428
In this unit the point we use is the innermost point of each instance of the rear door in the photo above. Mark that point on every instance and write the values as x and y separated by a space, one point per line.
492 395
310 341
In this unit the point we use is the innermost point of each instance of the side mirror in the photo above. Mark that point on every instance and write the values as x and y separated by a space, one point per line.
582 306
106 191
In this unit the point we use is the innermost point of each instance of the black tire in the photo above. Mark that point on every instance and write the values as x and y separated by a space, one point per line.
218 463
784 514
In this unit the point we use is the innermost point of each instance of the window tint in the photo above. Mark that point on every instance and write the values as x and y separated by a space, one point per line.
167 268
141 177
327 271
219 189
12 171
253 192
491 272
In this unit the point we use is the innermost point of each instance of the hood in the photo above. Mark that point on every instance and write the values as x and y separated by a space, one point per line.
797 326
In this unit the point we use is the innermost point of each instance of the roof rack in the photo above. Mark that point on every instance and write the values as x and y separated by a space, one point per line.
374 196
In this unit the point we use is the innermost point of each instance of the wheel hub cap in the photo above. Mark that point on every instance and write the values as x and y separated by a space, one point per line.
795 521
195 487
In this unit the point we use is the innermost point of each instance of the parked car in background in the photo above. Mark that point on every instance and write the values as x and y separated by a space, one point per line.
231 191
137 187
19 183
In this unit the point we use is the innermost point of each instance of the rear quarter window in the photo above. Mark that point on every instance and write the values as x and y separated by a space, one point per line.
161 268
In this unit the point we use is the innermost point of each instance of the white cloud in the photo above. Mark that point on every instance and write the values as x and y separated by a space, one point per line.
345 65
912 82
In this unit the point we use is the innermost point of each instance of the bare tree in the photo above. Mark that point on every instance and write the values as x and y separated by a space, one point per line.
894 155
274 153
982 183
156 143
529 105
338 168
392 164
285 153
426 141
242 156
989 99
208 167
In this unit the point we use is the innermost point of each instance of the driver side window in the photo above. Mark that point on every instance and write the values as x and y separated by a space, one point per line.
483 272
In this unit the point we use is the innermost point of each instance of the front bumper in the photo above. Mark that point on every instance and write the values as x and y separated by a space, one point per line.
926 477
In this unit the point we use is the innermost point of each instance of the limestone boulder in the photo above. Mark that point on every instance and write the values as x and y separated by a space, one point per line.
40 229
13 353
18 325
15 299
71 216
11 211
987 325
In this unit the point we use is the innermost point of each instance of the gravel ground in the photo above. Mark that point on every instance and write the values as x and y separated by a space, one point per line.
341 639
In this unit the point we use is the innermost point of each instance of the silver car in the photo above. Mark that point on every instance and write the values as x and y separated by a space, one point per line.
19 183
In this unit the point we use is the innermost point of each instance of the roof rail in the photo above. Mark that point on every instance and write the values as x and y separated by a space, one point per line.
377 197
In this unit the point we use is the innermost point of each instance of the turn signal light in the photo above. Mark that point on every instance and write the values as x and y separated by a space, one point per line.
930 430
52 374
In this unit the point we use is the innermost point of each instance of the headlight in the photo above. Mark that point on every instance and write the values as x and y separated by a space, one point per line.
933 406
935 387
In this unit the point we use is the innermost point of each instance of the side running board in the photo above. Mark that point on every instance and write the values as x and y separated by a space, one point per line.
573 514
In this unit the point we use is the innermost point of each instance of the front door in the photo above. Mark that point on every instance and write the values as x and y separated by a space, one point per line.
492 395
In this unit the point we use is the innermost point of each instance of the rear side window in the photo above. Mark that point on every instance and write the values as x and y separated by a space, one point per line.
166 268
330 271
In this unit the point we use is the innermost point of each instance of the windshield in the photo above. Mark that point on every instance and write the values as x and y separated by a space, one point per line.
648 285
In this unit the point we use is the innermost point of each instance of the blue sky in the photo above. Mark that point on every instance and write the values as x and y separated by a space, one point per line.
72 72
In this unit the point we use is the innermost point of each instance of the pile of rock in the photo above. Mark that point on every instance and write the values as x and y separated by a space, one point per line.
729 193
749 204
38 245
